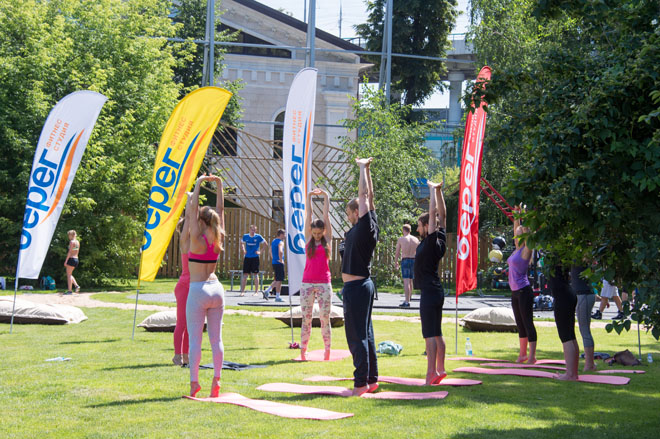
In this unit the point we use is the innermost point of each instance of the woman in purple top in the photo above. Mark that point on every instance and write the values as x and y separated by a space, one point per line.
522 296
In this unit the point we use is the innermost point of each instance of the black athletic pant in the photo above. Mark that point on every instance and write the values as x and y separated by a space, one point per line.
522 302
358 301
565 302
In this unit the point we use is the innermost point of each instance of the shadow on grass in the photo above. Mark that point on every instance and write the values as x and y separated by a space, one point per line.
131 402
139 366
108 340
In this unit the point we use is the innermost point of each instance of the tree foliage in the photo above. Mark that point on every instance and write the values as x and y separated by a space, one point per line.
49 49
419 27
575 95
399 156
191 15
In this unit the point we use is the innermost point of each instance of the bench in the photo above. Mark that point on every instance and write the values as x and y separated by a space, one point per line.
239 274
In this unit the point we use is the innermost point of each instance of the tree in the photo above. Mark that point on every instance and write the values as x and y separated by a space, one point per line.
191 14
399 156
419 27
50 49
582 109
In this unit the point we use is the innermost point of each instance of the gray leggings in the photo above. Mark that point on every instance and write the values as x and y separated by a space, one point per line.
583 310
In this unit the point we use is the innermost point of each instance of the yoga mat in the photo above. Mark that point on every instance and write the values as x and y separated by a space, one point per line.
335 354
403 381
546 361
275 408
596 379
471 359
524 366
620 371
342 391
230 365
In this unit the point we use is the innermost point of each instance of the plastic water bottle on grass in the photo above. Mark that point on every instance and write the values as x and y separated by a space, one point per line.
649 358
468 347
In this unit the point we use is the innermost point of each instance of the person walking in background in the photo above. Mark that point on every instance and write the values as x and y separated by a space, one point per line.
358 297
431 227
316 281
405 250
71 262
522 296
251 248
608 292
206 297
277 256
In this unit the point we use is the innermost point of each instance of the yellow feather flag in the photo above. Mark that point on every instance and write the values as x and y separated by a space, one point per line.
182 148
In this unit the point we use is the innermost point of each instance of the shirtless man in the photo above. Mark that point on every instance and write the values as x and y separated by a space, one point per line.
405 251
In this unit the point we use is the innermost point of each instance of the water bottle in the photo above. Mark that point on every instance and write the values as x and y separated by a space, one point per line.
649 358
468 347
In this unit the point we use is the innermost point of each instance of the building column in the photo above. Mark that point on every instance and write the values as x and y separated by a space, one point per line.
455 91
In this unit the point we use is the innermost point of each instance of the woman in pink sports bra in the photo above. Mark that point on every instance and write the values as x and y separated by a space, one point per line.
181 291
206 296
316 277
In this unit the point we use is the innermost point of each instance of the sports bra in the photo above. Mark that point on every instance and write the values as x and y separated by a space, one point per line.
210 257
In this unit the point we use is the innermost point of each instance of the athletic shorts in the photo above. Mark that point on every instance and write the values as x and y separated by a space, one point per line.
430 311
72 262
251 265
279 272
608 290
407 265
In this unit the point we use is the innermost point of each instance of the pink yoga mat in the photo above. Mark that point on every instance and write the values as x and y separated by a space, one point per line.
606 371
275 408
597 379
471 359
335 354
342 391
523 366
546 361
400 380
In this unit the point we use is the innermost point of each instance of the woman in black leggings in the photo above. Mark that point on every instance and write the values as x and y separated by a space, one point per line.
565 302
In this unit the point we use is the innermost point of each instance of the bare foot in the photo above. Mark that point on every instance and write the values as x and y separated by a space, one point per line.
303 354
326 355
256 293
566 377
184 359
194 388
590 369
521 359
358 391
531 360
215 387
372 387
241 295
176 359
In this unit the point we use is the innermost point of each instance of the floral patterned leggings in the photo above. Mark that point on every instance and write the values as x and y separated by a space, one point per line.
322 293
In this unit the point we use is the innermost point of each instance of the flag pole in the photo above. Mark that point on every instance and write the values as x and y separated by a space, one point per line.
13 308
137 295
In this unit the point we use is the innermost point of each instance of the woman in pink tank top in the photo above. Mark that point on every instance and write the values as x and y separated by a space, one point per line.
316 277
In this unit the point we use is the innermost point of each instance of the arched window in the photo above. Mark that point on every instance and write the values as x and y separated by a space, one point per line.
278 136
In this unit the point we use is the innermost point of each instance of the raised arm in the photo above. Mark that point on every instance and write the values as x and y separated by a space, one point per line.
192 210
441 207
516 224
220 201
326 215
433 208
365 187
308 215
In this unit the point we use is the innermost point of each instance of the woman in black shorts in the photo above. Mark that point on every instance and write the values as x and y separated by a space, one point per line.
71 261
427 257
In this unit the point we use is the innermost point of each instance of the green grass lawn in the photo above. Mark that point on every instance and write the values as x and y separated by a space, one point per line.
118 387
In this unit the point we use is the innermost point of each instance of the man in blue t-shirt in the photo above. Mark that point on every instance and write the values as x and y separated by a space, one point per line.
251 247
277 256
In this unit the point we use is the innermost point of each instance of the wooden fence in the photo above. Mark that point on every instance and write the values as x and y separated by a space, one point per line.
238 221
